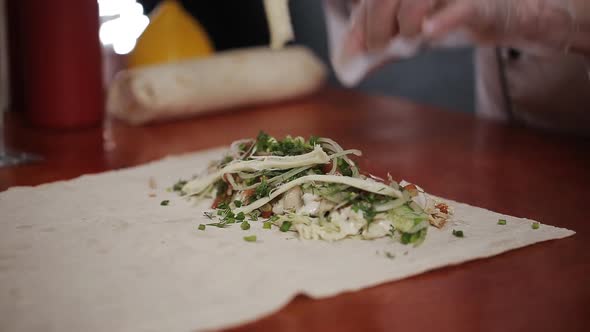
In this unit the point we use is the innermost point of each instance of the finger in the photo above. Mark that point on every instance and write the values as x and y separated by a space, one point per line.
381 24
456 15
411 15
355 42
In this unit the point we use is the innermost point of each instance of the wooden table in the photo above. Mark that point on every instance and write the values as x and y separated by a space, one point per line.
522 172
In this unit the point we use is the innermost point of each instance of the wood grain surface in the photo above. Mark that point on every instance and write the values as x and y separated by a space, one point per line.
512 170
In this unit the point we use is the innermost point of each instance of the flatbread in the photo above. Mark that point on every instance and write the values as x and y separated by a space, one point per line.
279 22
229 79
98 253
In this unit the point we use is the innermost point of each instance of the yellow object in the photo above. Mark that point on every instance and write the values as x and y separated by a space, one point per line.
172 35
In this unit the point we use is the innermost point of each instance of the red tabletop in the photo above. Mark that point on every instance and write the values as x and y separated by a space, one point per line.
517 171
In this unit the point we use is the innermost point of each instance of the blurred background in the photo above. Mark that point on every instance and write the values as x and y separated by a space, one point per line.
442 78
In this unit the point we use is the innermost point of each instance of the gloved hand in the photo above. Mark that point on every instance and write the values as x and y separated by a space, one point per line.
348 52
555 25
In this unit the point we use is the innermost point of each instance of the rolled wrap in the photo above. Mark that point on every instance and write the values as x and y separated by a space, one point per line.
226 80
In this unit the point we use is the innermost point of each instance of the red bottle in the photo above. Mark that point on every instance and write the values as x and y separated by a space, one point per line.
62 62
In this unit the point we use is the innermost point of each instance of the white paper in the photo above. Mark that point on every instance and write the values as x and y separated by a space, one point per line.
99 254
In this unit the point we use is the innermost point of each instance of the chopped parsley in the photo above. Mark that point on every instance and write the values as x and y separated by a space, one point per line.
535 225
367 209
226 215
263 142
344 167
251 238
202 227
267 225
263 190
245 225
177 187
414 238
286 226
165 203
218 224
226 160
229 215
289 146
243 147
254 215
313 141
238 203
391 233
502 222
221 188
458 233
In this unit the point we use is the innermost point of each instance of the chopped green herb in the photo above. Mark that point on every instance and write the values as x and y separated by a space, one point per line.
251 238
263 142
238 203
414 238
391 231
286 226
254 215
165 203
226 160
344 167
536 225
221 188
263 190
218 224
389 255
202 227
406 237
289 146
209 215
267 225
313 141
458 233
250 182
274 218
240 216
179 185
502 222
245 225
367 209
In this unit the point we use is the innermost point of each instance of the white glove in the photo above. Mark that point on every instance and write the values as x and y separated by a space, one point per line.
351 59
546 25
377 31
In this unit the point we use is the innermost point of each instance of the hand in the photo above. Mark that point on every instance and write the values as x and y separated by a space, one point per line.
558 25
